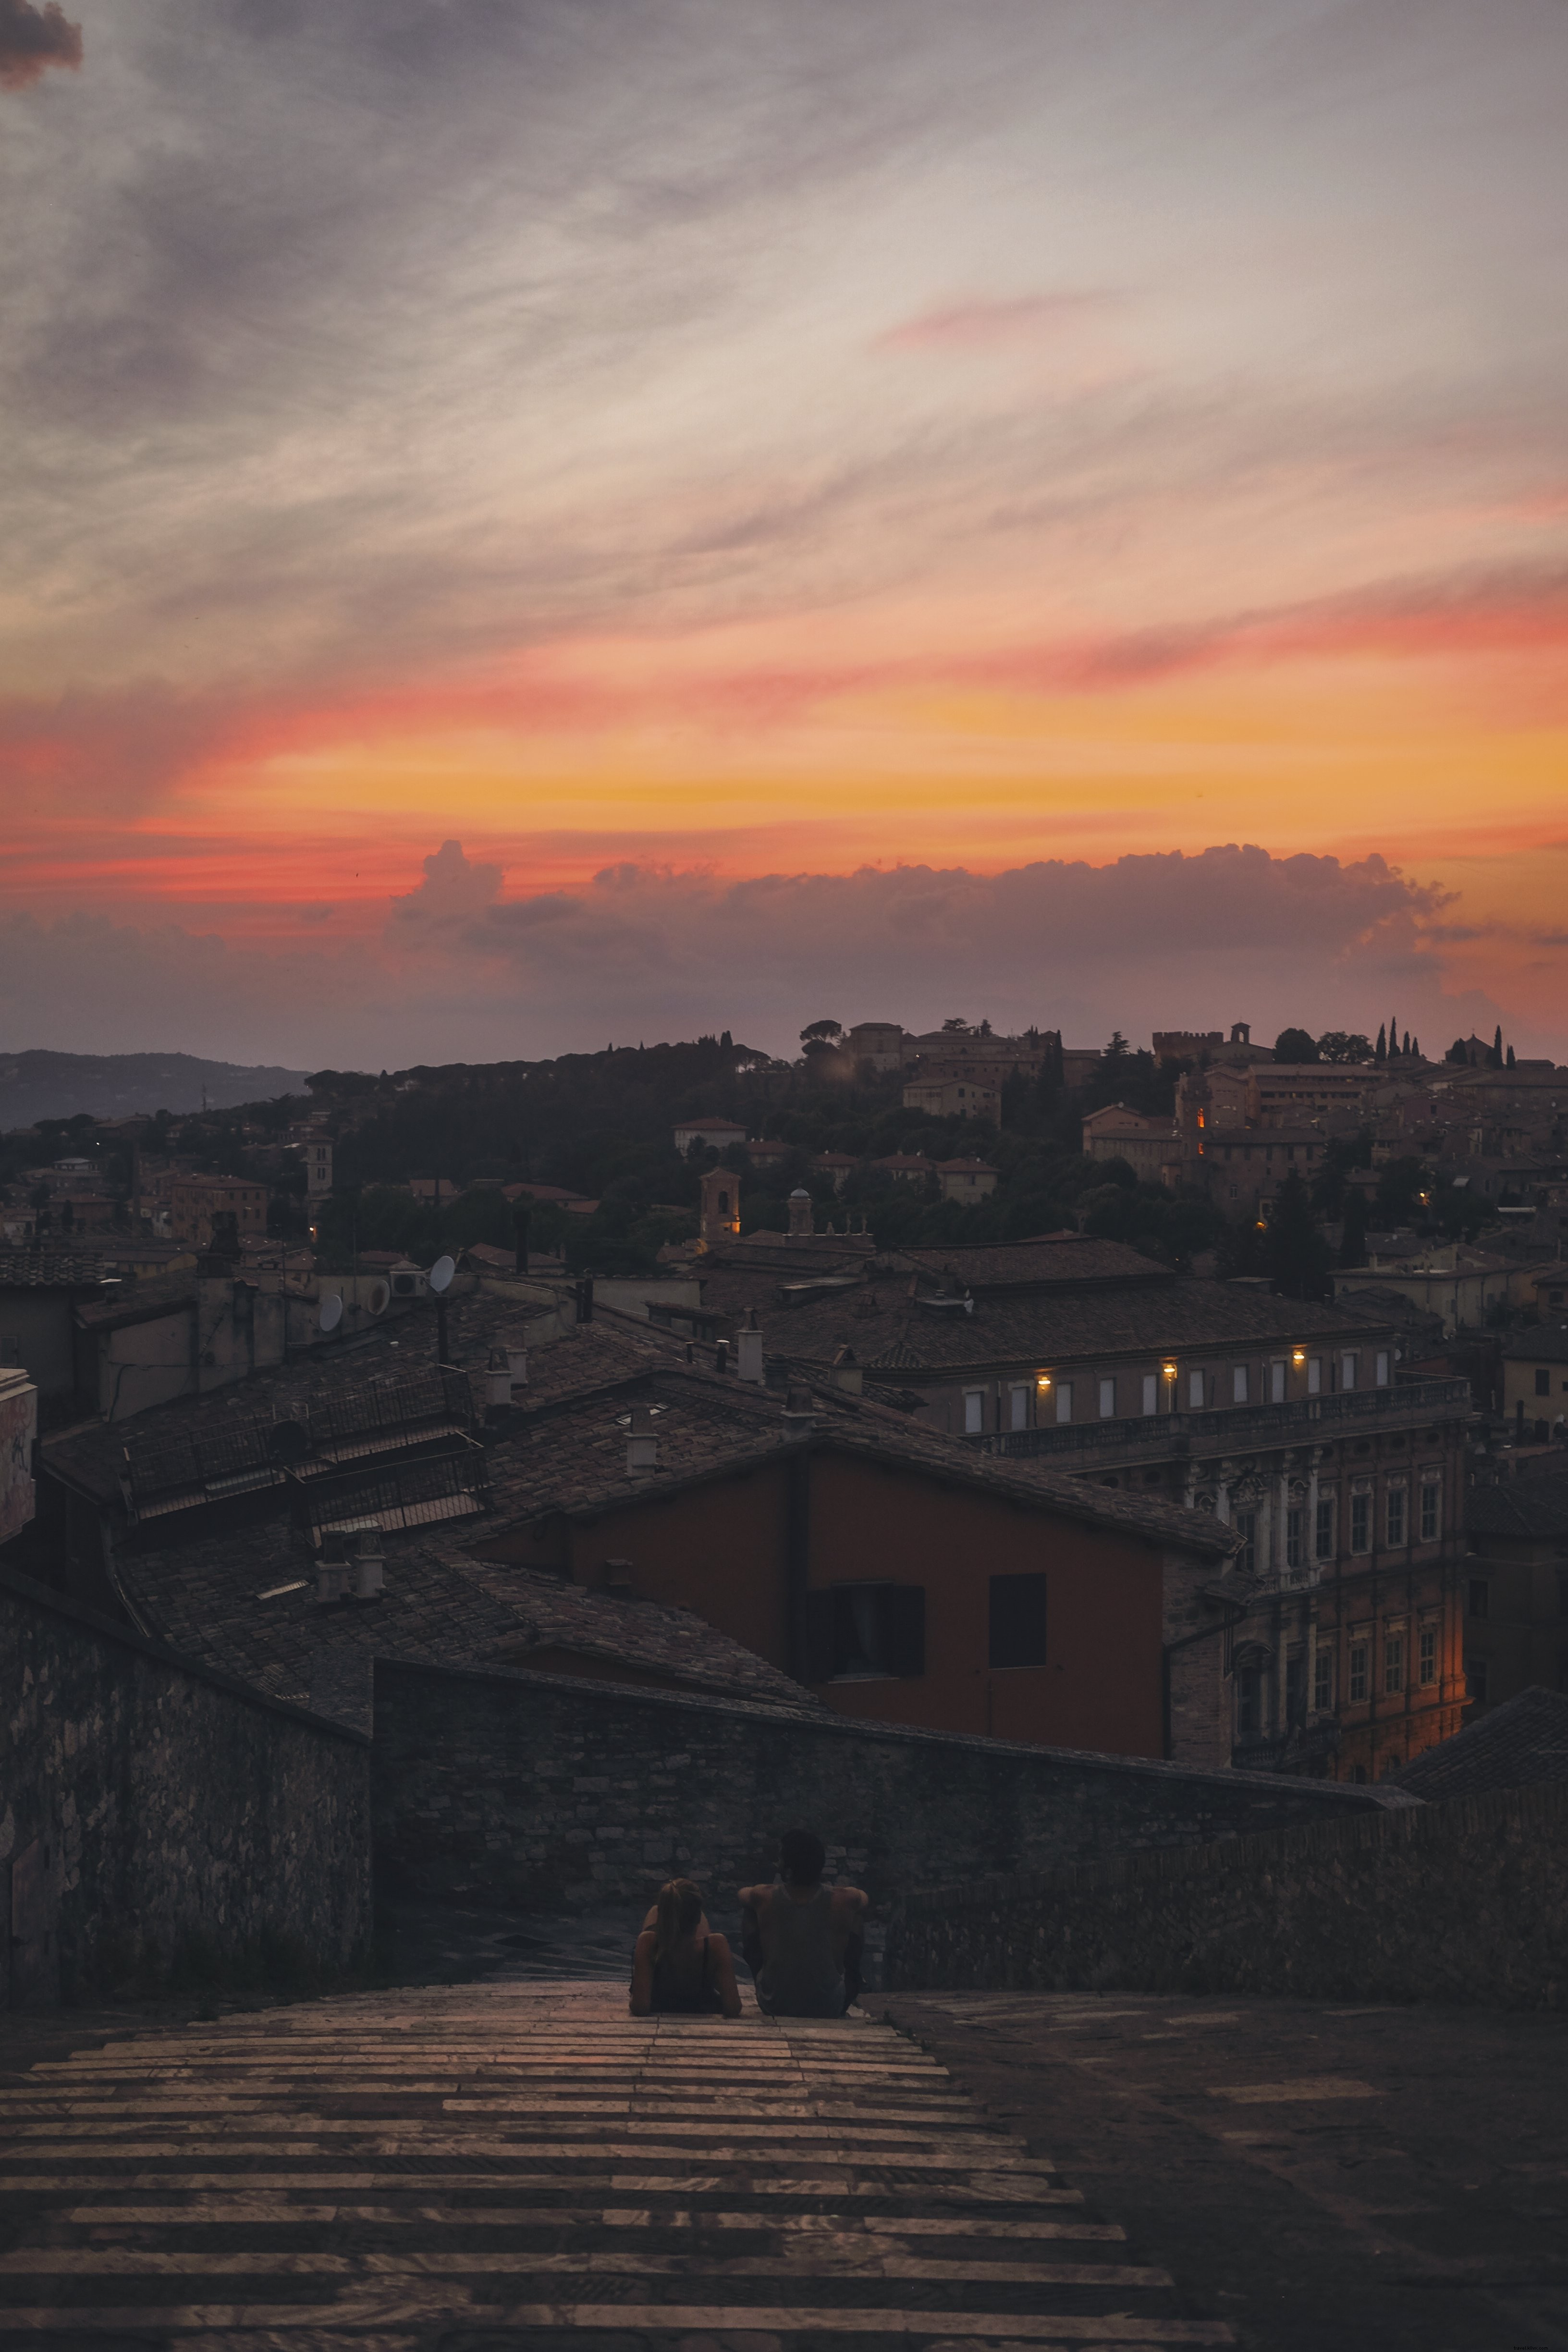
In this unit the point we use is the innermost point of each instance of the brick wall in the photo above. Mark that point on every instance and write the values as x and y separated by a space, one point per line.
571 1796
1460 1902
145 1802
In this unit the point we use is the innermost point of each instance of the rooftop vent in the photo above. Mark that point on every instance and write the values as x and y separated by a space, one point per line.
799 1404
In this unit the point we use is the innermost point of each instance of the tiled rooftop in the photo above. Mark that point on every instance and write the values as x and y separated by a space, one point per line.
1521 1742
1546 1344
43 1269
1527 1509
244 1603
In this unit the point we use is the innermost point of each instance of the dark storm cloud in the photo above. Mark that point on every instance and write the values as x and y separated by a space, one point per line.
33 39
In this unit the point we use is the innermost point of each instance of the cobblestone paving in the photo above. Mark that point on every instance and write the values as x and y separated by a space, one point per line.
471 2169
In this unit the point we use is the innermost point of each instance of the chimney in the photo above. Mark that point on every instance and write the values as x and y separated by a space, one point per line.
369 1567
846 1372
642 1445
331 1571
517 1363
799 1409
498 1381
749 1350
722 1356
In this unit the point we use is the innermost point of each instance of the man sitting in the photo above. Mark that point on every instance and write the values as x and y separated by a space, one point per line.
803 1940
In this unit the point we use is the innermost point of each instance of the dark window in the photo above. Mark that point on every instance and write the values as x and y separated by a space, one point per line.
1293 1519
1250 1702
1246 1526
1361 1523
1358 1672
867 1630
1017 1621
1395 1501
1431 1511
1480 1596
1542 1382
1429 1655
1323 1682
1394 1661
1476 1679
1325 1527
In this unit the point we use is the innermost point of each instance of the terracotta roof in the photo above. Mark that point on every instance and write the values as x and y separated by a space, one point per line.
1533 1507
887 1328
92 1455
1047 1262
571 1457
1547 1344
1517 1744
49 1269
438 1607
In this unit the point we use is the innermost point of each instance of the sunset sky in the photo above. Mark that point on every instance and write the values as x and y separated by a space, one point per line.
529 523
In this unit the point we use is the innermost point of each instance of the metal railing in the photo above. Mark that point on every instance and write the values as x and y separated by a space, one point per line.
1229 1429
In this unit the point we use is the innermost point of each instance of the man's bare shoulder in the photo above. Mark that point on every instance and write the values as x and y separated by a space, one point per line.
850 1898
755 1898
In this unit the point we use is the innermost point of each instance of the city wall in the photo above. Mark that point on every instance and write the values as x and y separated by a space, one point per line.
1460 1902
559 1795
148 1807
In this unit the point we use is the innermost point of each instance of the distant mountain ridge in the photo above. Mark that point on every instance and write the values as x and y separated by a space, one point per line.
39 1085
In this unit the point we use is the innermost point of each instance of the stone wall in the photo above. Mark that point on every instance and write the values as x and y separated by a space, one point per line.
563 1795
1460 1902
148 1805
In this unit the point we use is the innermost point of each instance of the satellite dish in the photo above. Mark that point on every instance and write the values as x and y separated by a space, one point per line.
332 1313
441 1275
379 1294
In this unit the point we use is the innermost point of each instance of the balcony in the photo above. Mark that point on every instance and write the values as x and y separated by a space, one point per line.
1235 1429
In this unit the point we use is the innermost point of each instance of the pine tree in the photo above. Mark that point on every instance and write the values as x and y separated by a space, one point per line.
1380 1051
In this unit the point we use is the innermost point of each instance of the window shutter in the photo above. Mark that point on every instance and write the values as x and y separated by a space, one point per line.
819 1657
904 1607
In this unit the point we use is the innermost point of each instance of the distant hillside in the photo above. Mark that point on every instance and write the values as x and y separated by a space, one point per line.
110 1085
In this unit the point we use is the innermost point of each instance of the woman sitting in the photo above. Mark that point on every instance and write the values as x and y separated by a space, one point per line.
678 1969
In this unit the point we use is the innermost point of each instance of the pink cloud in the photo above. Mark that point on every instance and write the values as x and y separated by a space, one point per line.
980 324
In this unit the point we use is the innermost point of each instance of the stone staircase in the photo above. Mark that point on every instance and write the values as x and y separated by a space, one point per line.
511 2165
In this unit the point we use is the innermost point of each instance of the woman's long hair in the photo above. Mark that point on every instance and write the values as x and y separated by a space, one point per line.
679 1909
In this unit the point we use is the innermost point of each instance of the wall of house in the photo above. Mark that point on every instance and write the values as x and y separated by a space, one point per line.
36 1330
526 1791
1466 1901
722 1550
19 1436
145 1802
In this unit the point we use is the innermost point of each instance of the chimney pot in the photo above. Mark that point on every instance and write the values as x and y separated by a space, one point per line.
749 1350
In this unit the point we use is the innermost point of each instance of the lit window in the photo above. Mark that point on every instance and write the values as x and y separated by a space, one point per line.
1150 1393
1108 1400
1361 1523
1358 1672
1064 1400
1431 1511
1323 1682
1324 1532
1394 1661
1195 1391
974 1412
1238 1383
1396 1515
1426 1655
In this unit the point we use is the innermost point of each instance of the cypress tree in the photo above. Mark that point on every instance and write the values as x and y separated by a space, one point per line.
1380 1051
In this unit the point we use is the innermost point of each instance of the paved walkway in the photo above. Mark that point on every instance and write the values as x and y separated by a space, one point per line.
479 2168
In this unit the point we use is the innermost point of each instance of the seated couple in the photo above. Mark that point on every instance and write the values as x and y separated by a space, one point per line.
802 1940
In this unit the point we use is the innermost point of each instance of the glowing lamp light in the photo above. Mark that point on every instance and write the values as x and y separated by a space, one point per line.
1170 1371
1300 1356
1044 1382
